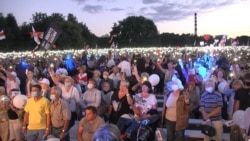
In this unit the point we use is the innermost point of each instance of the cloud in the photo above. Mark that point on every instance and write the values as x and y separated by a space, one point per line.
80 1
150 1
159 10
176 10
93 9
83 1
116 9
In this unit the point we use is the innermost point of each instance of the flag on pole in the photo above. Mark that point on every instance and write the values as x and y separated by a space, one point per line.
36 35
2 35
220 40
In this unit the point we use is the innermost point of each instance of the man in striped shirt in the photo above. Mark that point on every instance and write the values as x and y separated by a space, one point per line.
210 107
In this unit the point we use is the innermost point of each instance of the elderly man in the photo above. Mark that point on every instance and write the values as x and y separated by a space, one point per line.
89 124
70 94
60 114
210 107
36 115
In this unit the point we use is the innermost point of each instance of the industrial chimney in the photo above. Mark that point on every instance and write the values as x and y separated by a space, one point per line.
195 24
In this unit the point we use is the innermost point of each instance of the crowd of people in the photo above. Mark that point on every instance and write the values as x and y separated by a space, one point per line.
98 90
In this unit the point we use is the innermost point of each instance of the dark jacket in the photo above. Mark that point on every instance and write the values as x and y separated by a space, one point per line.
182 114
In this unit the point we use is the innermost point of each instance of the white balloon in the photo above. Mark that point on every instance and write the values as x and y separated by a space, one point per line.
222 86
238 116
19 101
245 123
154 79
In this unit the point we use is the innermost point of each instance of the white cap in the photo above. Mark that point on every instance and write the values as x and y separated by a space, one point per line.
44 81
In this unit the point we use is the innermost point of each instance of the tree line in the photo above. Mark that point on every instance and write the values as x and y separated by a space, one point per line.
133 31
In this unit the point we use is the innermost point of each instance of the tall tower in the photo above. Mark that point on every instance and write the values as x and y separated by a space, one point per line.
195 24
195 29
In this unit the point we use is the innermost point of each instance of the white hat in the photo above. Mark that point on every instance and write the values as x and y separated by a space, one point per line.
44 81
13 73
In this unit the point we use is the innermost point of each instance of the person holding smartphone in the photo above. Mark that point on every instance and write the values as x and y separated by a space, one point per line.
176 109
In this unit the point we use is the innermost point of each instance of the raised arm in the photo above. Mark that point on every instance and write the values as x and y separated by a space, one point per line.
161 68
6 72
54 79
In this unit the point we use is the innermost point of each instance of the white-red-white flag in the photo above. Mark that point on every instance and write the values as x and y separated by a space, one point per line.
36 35
2 35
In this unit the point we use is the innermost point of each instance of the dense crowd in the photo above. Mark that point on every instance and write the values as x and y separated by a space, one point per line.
96 87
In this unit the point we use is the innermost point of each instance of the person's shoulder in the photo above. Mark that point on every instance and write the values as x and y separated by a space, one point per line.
152 96
82 121
240 90
63 102
100 120
217 93
138 94
204 94
97 90
31 99
45 99
75 88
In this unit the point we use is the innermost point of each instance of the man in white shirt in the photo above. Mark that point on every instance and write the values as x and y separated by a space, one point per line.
125 66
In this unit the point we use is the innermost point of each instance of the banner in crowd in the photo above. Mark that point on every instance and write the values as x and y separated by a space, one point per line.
50 36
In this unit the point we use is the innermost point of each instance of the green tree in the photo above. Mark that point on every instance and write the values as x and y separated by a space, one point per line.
40 21
71 18
135 30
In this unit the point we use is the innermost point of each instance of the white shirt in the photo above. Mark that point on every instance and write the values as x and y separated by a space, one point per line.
145 104
171 107
11 84
110 63
125 66
115 78
71 97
